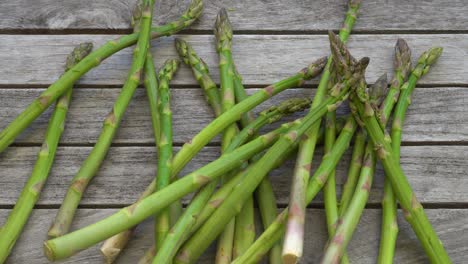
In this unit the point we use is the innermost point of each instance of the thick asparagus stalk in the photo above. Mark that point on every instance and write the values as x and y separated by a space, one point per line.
69 244
389 232
232 204
223 33
92 163
54 91
165 146
112 247
293 244
19 216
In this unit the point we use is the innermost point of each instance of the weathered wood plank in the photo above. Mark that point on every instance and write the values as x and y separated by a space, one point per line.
261 59
437 174
436 114
450 224
274 15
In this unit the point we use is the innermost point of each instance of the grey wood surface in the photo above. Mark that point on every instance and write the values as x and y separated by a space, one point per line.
261 59
273 40
450 224
90 106
272 15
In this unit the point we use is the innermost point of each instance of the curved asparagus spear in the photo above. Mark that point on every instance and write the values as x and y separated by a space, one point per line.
165 146
92 163
232 204
293 244
389 231
223 34
54 91
19 216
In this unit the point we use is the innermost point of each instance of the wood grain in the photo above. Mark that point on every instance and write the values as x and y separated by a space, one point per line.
436 173
436 115
261 59
276 15
450 224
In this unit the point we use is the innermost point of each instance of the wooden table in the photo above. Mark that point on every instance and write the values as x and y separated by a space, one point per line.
273 40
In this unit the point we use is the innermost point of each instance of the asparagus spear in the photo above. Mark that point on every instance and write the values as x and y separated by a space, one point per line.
223 33
232 204
350 219
165 146
293 244
353 171
191 148
92 163
413 210
19 216
196 213
59 87
69 244
201 74
112 247
273 233
402 64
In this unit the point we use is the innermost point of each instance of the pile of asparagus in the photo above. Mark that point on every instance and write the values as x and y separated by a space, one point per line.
225 189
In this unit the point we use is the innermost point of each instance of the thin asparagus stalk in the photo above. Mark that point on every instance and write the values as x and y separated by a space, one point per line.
112 247
59 87
162 224
190 149
92 163
69 244
294 240
353 171
223 33
231 206
196 213
277 228
389 232
348 222
413 210
201 73
270 236
19 216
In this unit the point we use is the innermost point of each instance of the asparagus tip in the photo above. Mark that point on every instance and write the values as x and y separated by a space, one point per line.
78 53
223 28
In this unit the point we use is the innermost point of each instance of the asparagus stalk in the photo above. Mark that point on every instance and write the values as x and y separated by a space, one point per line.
413 210
231 206
92 163
69 244
19 216
348 222
294 240
402 64
112 247
276 229
198 211
201 73
329 162
54 91
223 33
165 146
353 171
